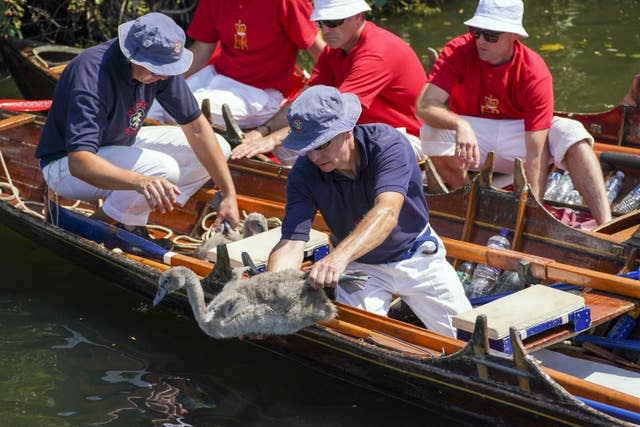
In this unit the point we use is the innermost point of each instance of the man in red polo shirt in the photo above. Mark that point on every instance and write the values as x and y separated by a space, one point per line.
361 58
489 92
256 44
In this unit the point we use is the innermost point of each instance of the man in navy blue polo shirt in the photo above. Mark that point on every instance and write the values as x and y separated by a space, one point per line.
91 147
365 182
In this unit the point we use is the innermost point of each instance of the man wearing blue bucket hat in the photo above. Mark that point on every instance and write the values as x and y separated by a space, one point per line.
93 146
365 182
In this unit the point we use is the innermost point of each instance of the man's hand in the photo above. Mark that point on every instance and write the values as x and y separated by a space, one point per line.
228 211
467 152
159 193
327 271
253 145
633 94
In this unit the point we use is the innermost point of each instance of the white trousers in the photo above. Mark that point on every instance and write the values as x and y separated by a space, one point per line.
158 151
427 283
506 139
250 106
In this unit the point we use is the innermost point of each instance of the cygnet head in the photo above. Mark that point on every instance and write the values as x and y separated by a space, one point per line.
171 280
254 223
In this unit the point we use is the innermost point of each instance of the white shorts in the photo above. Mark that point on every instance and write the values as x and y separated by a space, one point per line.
158 151
250 106
506 139
427 283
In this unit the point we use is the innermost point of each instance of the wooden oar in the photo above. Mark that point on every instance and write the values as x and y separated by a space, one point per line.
115 237
24 105
543 268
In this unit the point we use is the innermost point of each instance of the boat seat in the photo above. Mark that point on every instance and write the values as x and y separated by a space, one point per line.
531 311
259 247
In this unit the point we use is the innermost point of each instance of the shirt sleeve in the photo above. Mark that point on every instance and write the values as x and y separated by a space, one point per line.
539 112
202 26
295 20
449 68
322 74
367 77
174 95
300 209
86 118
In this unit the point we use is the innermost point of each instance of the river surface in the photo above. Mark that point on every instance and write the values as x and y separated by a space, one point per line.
78 350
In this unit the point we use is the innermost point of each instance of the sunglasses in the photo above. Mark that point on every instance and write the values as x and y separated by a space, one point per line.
489 36
330 23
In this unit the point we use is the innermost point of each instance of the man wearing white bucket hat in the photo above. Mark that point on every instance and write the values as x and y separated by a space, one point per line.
366 184
364 59
500 98
92 145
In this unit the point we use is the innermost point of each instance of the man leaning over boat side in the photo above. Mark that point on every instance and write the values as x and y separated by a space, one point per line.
365 182
500 99
92 145
258 43
362 58
632 97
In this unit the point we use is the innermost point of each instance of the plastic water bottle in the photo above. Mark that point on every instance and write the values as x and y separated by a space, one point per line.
509 281
625 325
613 186
484 276
552 183
572 198
630 202
563 188
465 273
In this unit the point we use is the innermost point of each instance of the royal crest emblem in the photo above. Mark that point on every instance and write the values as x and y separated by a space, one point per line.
490 105
240 40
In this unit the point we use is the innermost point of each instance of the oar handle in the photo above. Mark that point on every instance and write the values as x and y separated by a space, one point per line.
24 105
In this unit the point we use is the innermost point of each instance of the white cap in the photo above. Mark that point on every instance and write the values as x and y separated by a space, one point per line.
328 10
499 15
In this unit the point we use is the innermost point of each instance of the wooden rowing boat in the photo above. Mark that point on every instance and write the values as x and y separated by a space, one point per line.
398 358
36 67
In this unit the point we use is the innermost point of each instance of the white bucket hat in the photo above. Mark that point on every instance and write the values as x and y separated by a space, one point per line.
327 10
499 15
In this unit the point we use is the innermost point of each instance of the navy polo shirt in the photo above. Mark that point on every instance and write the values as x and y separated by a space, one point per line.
388 164
97 102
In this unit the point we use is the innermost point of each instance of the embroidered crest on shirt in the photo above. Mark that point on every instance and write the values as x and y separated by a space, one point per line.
136 114
297 125
490 105
240 37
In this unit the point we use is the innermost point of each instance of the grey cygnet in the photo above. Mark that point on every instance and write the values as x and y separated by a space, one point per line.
272 303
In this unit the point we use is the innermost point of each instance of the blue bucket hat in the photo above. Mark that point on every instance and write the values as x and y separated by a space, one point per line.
319 114
155 42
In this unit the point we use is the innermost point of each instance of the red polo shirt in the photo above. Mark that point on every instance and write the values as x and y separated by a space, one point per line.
519 89
259 39
382 70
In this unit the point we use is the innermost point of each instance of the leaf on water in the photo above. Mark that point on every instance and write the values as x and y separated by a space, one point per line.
621 55
597 53
447 24
635 56
551 47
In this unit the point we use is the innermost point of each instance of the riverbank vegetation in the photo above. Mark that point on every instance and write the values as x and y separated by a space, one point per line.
87 22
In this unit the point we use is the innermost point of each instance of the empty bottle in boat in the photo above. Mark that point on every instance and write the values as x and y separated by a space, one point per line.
563 188
552 183
625 324
630 202
613 186
465 273
509 281
485 276
573 198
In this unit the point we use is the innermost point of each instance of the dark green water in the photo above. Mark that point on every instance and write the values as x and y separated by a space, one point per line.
78 350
